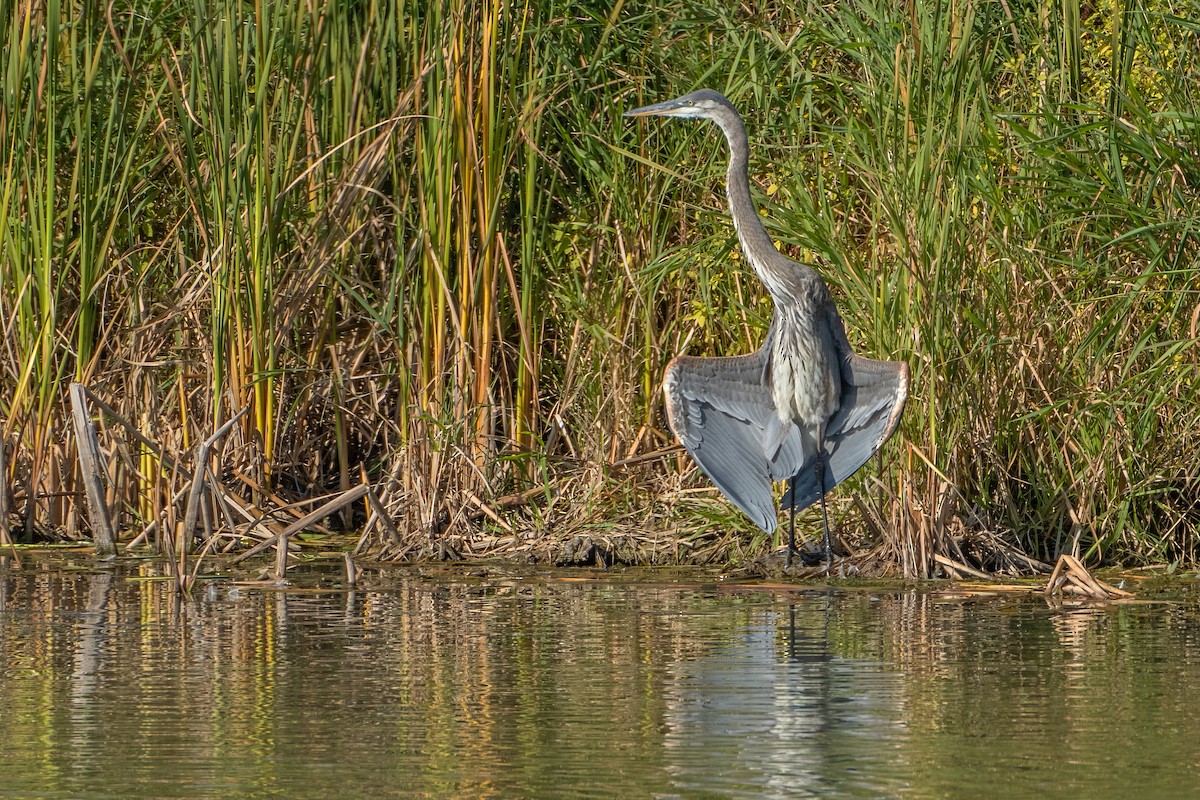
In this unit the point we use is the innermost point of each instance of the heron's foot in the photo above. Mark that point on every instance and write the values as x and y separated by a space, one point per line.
784 563
839 566
814 558
799 563
810 558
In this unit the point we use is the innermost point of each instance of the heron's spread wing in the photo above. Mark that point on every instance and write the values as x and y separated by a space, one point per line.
721 410
873 395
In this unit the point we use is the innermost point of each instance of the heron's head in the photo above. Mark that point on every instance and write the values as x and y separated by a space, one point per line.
702 104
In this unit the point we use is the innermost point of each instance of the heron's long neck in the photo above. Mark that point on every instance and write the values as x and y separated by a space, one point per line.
759 249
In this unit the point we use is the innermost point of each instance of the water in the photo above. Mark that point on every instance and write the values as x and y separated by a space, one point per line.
583 685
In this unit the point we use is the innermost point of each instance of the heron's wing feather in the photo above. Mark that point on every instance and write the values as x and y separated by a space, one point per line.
873 395
722 412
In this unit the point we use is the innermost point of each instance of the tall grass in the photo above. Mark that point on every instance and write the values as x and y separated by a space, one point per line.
419 241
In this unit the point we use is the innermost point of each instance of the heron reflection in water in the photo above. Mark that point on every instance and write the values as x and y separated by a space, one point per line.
803 408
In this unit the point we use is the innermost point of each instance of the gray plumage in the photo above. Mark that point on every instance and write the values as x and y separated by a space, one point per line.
803 408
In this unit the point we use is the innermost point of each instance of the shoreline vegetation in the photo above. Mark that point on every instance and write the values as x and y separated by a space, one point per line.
410 264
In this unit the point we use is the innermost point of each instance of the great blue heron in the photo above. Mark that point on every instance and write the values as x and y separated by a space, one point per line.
803 407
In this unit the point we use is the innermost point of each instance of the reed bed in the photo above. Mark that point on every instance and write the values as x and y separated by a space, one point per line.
418 248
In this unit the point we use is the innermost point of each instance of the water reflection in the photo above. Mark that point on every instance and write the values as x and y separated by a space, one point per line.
774 712
451 686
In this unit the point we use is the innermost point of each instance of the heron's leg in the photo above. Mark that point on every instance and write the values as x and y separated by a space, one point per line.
824 513
791 548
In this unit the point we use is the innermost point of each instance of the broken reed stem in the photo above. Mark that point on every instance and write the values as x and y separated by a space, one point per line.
959 567
201 469
487 510
167 460
144 536
339 503
1070 576
87 445
336 504
378 515
183 579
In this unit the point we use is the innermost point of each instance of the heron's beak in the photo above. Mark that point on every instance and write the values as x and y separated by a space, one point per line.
667 109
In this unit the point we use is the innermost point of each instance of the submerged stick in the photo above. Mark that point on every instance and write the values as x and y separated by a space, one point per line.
353 571
90 466
281 553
